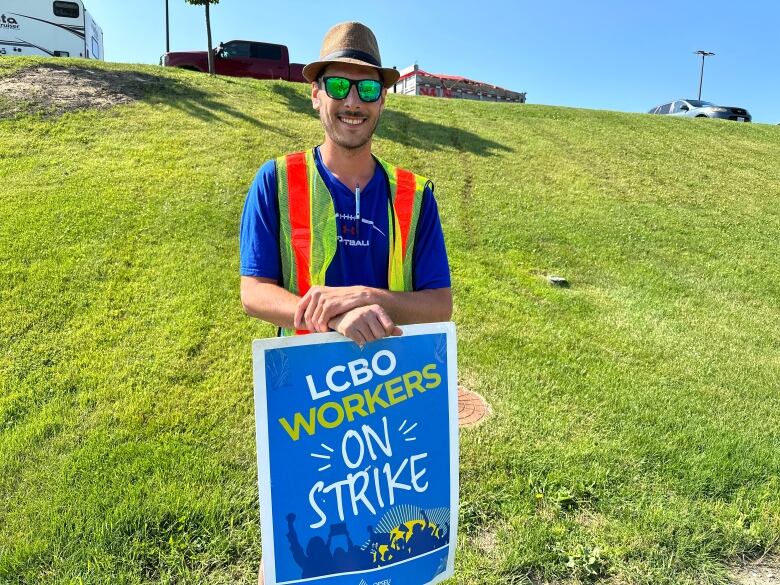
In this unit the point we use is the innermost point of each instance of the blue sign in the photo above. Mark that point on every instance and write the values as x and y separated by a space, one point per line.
358 457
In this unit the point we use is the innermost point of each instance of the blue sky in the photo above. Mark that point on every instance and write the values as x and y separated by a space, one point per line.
613 54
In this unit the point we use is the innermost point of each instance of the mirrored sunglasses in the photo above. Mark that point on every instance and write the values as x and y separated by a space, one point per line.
338 88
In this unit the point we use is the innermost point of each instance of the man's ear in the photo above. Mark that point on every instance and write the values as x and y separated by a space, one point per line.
315 95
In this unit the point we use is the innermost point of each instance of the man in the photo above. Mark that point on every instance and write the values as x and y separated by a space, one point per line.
334 238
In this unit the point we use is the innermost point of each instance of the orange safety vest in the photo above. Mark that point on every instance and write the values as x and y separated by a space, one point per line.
307 224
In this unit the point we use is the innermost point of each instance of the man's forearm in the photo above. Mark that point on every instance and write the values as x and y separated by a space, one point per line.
422 306
266 300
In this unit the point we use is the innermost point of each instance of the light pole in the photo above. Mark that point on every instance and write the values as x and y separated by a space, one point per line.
167 30
701 76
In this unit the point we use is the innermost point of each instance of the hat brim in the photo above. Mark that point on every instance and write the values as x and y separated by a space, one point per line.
389 76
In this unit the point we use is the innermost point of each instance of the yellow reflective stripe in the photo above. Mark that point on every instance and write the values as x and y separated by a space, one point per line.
401 266
323 218
395 273
395 276
408 257
289 275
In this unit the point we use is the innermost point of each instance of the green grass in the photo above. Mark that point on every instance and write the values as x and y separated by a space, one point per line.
636 428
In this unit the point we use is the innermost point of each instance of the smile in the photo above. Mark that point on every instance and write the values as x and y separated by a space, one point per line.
351 120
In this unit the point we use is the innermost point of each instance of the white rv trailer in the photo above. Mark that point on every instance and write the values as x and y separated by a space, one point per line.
49 27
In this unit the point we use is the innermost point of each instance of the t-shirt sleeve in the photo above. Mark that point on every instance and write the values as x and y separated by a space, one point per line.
259 244
431 267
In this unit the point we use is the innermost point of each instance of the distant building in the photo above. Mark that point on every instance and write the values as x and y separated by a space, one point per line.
415 81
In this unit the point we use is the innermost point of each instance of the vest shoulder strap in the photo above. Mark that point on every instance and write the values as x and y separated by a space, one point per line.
406 194
307 222
292 191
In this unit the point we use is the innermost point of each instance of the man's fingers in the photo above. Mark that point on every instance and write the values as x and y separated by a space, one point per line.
386 322
378 331
315 316
315 295
322 315
320 305
308 315
356 335
366 324
330 306
335 323
300 310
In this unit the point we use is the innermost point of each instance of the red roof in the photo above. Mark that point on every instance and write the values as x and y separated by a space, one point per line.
447 78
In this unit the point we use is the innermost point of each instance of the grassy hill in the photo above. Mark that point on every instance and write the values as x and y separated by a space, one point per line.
636 427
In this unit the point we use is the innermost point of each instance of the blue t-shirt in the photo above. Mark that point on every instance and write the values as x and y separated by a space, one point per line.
362 252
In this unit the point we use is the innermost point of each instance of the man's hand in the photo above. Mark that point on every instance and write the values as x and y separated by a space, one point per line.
323 303
365 324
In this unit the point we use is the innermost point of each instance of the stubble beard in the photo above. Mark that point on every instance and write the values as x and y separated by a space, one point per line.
347 142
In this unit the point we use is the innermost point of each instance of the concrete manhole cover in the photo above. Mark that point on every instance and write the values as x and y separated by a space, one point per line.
472 408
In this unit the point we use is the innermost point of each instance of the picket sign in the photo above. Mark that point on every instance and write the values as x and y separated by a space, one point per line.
357 457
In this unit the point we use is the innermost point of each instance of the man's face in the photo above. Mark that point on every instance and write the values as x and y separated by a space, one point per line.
350 122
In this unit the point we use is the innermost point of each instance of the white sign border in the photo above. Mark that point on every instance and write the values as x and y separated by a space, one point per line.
260 346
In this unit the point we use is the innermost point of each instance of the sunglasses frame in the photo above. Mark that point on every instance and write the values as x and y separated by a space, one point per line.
352 82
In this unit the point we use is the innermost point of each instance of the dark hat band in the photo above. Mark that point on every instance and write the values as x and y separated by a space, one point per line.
352 54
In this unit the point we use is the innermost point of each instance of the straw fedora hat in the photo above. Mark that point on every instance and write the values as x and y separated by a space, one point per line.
350 42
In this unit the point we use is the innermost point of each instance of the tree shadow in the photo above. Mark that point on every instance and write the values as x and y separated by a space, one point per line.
402 128
54 89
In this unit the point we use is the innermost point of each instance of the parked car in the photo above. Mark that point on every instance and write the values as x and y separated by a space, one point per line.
240 59
702 109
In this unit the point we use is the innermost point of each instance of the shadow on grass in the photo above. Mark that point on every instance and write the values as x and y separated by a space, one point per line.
58 89
404 129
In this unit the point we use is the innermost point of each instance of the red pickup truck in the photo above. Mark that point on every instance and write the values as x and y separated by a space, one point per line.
240 59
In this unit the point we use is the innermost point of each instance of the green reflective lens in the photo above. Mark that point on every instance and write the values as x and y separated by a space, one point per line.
369 90
337 87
